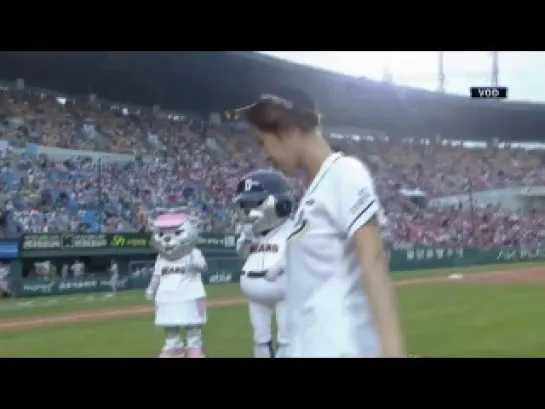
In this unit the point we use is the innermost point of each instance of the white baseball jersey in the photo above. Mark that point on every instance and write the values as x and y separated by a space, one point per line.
114 271
268 250
179 281
327 307
78 269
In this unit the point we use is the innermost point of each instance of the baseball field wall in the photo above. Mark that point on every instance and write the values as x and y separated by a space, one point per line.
422 258
135 257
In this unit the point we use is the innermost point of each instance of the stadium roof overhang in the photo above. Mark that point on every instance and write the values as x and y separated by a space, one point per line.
214 81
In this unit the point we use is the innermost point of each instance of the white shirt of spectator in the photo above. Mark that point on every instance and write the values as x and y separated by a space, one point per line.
43 268
78 269
114 270
328 312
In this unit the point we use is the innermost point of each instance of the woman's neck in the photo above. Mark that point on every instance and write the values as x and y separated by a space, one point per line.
315 154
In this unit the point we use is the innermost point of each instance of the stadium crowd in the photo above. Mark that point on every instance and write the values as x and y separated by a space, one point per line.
179 160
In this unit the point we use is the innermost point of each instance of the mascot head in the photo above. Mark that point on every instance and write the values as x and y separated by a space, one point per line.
265 199
175 233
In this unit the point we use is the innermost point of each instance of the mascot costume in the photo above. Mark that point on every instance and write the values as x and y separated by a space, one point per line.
176 285
265 198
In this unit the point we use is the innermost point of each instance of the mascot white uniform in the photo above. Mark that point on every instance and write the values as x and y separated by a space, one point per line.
265 198
176 285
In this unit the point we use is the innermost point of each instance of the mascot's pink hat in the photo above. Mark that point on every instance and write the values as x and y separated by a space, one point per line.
170 220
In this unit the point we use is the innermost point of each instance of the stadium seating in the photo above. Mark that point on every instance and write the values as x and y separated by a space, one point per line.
119 162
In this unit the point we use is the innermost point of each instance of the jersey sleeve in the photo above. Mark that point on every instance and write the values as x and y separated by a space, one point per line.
198 259
353 198
157 267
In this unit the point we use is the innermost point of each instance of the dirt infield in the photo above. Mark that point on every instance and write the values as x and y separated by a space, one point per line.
95 315
523 276
519 276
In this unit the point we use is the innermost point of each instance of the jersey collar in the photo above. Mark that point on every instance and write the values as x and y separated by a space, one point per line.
326 165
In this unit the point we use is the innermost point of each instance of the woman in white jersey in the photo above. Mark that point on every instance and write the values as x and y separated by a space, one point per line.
341 301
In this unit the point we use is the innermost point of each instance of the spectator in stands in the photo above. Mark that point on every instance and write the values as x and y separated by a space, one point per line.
177 160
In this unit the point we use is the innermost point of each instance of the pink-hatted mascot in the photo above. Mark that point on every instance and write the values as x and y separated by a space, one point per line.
176 285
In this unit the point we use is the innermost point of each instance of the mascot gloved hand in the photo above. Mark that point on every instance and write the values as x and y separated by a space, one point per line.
197 264
149 295
275 271
247 232
152 288
265 216
245 240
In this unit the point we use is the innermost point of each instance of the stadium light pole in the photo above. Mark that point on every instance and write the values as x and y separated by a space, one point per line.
495 68
441 72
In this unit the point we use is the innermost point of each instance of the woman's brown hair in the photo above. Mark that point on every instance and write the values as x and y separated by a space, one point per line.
275 115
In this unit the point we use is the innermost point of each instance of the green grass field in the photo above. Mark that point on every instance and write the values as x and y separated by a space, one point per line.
439 319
